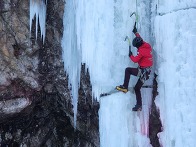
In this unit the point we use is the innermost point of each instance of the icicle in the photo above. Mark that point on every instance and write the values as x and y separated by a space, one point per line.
71 54
38 10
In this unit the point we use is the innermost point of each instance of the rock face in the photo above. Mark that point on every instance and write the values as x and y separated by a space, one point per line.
155 125
35 102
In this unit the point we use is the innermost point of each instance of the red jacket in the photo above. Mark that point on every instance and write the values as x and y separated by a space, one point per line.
144 55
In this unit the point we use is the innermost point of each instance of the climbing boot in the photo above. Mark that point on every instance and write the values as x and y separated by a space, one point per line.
137 108
122 88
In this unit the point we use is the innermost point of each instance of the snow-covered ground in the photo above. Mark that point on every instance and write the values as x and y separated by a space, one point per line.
94 33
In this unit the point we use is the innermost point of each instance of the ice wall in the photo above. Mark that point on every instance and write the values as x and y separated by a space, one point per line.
175 34
119 126
95 29
38 12
89 38
94 34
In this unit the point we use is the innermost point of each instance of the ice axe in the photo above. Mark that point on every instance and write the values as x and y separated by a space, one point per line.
132 14
127 39
136 17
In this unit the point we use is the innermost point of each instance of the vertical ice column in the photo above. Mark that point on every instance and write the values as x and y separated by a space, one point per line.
71 53
38 9
94 22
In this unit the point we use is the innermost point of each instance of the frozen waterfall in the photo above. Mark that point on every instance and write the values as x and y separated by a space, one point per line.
94 33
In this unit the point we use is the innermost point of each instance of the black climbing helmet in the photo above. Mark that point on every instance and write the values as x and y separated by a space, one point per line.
137 42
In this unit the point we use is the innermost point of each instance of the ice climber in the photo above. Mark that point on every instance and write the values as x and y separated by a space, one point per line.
144 58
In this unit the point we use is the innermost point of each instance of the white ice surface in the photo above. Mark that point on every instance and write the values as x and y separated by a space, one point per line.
94 35
175 35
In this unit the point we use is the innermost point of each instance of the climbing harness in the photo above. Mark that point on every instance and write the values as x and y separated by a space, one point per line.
144 73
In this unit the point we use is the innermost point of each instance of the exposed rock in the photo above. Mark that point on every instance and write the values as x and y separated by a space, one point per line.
154 122
14 105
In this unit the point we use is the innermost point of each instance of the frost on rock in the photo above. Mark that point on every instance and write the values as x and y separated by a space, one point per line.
38 10
14 105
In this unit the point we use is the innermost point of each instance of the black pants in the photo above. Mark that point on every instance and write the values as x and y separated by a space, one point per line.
134 71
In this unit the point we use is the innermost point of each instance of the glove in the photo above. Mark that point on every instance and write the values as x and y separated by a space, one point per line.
134 29
130 53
